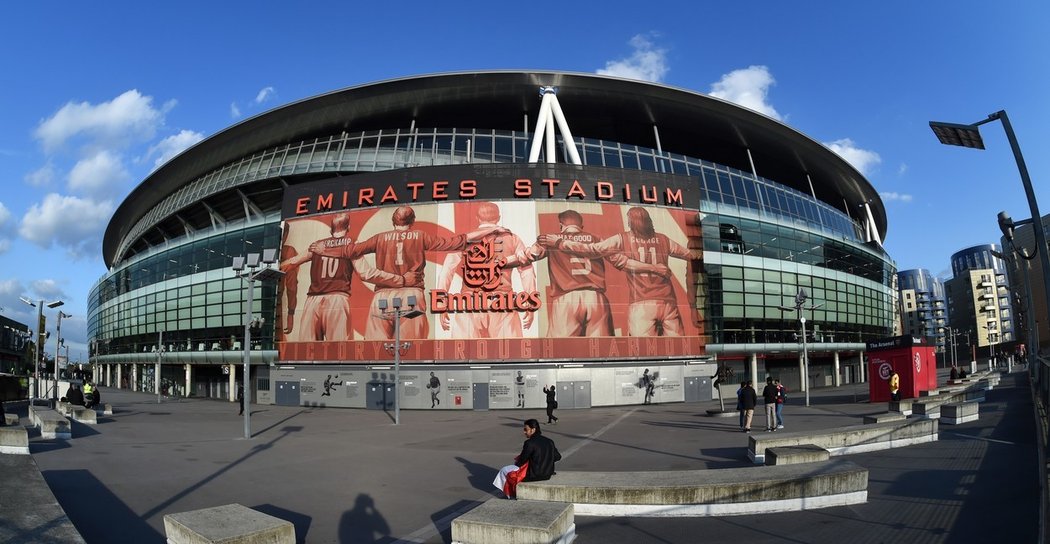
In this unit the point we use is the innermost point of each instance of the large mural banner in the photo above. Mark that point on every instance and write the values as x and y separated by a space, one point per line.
541 276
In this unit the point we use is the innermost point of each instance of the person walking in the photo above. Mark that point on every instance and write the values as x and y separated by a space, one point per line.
240 399
552 404
769 399
748 401
781 397
740 402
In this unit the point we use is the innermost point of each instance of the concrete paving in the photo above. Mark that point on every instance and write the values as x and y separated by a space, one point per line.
351 476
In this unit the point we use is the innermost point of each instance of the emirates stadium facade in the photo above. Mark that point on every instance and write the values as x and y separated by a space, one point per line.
502 232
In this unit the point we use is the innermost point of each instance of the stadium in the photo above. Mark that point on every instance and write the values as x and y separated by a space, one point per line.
503 232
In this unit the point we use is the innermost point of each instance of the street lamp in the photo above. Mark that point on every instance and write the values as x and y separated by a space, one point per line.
970 136
247 268
392 309
58 346
41 336
800 301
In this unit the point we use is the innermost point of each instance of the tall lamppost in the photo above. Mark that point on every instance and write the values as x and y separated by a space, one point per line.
970 136
58 346
800 301
248 268
392 309
41 336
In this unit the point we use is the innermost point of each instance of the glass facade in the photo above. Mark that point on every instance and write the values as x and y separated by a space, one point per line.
762 241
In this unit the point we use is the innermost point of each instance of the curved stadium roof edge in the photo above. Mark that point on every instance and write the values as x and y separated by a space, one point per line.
689 122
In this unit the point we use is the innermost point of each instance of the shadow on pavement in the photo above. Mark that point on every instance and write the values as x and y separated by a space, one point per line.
480 476
300 521
96 512
363 524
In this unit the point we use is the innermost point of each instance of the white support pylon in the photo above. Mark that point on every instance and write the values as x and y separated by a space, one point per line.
551 113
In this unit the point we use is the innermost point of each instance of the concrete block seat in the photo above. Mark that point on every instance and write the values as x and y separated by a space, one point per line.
104 410
903 406
14 440
53 425
84 415
29 509
228 524
793 455
884 417
64 407
960 412
10 419
516 522
684 493
849 439
930 407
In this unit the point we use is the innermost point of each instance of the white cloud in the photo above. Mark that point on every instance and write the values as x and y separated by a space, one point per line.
235 112
77 224
264 94
747 87
5 228
10 290
647 62
48 289
5 215
861 159
173 145
902 169
893 196
41 177
127 118
98 173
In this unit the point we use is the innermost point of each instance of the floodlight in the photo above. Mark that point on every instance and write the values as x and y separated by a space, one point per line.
238 264
253 260
956 134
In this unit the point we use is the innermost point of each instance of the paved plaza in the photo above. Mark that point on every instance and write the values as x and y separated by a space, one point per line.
351 476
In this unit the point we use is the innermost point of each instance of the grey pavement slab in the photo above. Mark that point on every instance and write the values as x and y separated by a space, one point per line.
351 476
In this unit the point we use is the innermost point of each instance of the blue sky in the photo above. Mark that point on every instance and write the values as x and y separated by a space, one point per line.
94 96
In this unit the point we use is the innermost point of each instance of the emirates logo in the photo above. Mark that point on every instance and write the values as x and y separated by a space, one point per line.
482 269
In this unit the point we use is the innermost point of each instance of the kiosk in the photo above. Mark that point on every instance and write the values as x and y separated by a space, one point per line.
912 358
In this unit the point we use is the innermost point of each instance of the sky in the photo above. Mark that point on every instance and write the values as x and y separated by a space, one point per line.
94 96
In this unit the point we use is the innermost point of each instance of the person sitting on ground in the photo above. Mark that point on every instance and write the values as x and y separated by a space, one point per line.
96 396
535 462
75 395
954 374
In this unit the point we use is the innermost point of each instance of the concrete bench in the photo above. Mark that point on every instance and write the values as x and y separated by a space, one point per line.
29 509
228 524
10 419
14 440
728 491
930 407
987 384
84 415
793 455
849 439
902 406
960 412
514 522
52 424
64 407
104 410
884 417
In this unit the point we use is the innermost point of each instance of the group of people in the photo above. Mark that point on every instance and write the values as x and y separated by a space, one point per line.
773 396
88 396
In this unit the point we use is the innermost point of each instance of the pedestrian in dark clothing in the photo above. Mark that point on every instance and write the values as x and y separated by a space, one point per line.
96 397
769 398
954 374
539 452
240 399
748 401
740 403
75 396
552 403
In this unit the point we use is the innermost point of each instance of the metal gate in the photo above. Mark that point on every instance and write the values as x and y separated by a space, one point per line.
379 396
697 389
481 396
574 395
287 394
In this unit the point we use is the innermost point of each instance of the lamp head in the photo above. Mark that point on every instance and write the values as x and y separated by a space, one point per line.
1006 224
269 256
55 304
27 301
253 260
238 264
956 134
